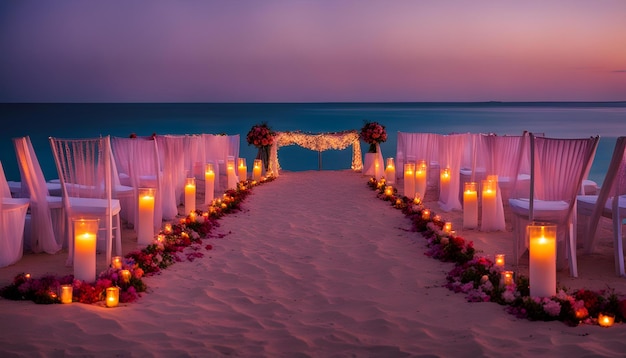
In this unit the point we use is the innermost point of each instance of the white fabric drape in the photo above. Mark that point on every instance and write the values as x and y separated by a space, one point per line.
558 167
217 149
451 149
12 220
139 158
413 147
171 152
43 236
318 142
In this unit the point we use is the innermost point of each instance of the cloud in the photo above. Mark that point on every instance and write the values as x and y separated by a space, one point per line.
618 71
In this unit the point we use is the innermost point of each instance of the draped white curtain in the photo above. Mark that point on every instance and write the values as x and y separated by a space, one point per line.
418 146
318 142
172 156
217 149
43 236
12 220
451 149
139 159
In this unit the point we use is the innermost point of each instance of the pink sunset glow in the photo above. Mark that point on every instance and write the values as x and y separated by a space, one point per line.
288 51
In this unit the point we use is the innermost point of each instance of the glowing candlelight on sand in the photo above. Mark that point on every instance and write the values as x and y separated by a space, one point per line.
116 262
145 227
242 169
425 214
447 227
605 320
409 179
444 184
470 206
489 204
190 195
389 190
125 276
506 278
85 231
542 260
209 183
499 260
66 293
167 228
420 178
390 171
257 169
112 296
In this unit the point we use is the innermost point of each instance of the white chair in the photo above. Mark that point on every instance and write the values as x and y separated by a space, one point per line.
45 210
12 221
139 166
86 177
609 203
557 169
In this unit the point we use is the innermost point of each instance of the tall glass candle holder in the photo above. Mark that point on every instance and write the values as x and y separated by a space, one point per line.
145 219
190 195
542 259
209 183
85 238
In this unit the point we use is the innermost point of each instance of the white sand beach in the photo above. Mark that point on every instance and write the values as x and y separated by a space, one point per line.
313 266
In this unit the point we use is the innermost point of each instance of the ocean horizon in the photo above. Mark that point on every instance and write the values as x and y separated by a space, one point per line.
76 120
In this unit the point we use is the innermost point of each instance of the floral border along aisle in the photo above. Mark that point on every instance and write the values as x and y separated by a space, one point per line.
176 242
480 279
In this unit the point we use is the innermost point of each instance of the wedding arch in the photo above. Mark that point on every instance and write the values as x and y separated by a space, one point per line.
318 142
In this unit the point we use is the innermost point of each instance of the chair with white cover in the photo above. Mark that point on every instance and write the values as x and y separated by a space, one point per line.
46 219
12 221
139 167
172 156
86 176
451 148
610 203
557 169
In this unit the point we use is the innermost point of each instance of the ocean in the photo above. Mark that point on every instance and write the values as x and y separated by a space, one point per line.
562 120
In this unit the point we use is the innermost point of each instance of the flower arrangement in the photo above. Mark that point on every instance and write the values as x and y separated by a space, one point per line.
260 135
480 280
181 241
373 133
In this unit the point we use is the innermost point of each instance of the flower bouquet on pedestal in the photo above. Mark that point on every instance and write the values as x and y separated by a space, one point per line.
373 133
262 137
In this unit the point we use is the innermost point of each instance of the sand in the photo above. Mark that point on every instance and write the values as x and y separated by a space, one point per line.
313 266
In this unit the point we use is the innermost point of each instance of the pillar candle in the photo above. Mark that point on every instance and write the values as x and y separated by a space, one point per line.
190 195
116 262
444 184
499 260
409 179
66 293
209 183
242 169
145 227
257 169
425 214
85 234
506 278
125 276
389 190
470 206
447 227
112 296
542 260
605 320
421 178
390 171
231 176
489 205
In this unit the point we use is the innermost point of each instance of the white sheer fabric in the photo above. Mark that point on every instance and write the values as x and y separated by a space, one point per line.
451 148
413 147
217 148
557 169
171 152
609 203
139 166
86 176
12 220
45 211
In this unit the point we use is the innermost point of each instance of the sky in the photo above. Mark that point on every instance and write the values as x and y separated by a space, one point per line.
312 51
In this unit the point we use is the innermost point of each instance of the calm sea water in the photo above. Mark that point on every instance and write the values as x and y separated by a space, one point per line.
39 121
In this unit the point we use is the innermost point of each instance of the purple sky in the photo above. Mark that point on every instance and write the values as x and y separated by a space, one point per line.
317 50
